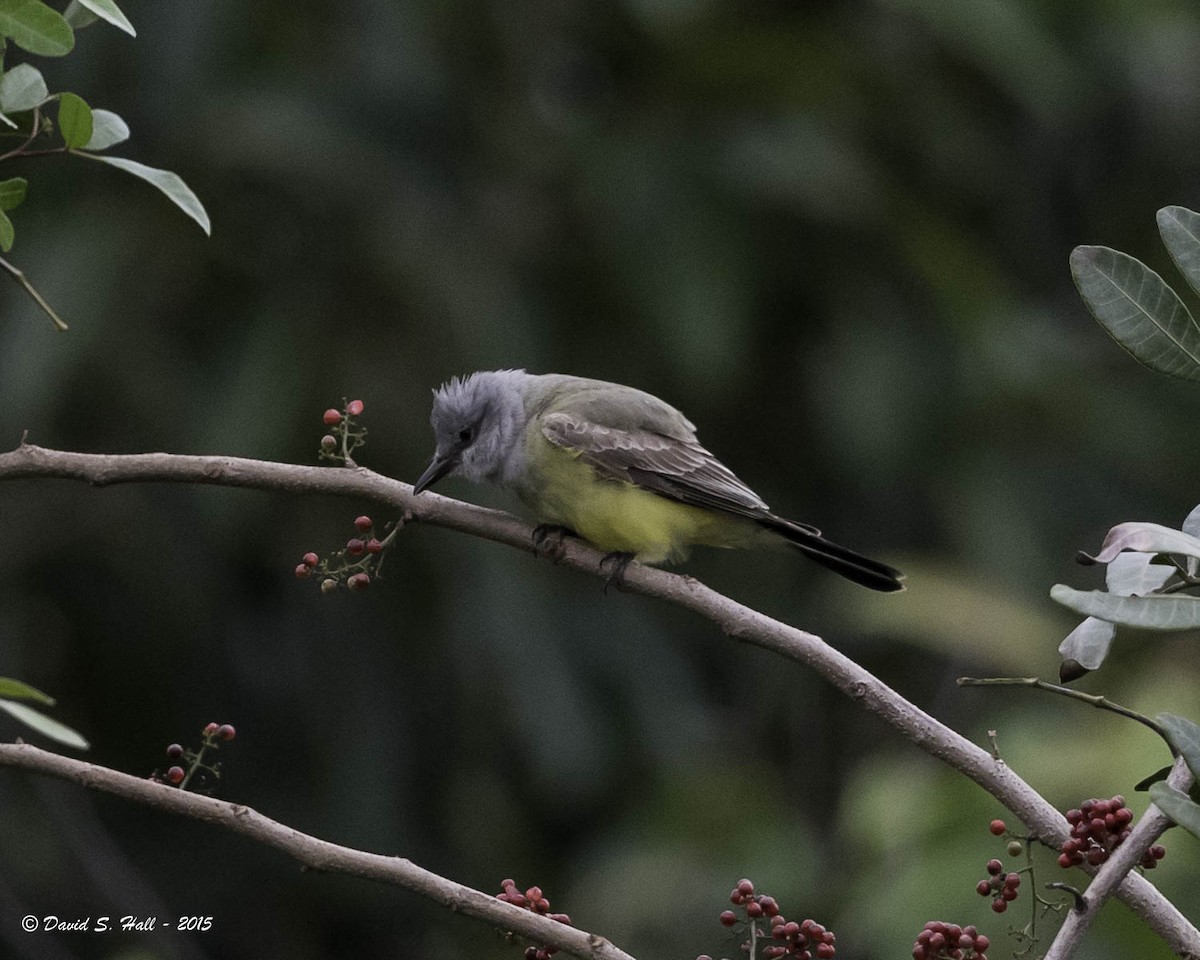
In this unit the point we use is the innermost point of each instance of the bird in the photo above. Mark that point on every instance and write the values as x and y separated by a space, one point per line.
616 466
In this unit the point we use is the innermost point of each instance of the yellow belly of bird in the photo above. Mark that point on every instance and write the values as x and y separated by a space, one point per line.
619 516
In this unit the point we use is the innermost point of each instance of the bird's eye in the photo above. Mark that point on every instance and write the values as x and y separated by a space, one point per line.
466 435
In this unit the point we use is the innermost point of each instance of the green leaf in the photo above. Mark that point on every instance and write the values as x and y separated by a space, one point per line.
1149 613
16 690
74 120
12 192
1160 774
1185 737
22 88
1088 643
44 724
169 183
109 11
1176 805
107 130
36 27
1180 231
7 234
78 16
1139 310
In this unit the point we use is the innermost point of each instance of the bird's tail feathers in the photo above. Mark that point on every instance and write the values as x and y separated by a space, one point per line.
853 566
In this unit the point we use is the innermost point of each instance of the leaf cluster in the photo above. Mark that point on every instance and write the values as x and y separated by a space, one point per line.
77 129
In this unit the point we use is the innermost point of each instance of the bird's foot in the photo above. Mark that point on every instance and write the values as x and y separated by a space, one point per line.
616 562
549 540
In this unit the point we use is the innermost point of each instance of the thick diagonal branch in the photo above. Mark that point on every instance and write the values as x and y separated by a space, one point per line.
733 618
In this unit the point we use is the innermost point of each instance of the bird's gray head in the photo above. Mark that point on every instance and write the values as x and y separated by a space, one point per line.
477 422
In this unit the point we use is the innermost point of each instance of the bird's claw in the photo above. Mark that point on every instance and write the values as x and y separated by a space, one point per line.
549 540
617 562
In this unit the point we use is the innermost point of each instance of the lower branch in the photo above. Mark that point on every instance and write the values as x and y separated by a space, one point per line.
315 853
735 619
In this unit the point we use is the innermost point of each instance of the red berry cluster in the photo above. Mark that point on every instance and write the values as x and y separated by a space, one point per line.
195 772
802 941
352 564
345 434
532 899
1098 827
999 885
949 941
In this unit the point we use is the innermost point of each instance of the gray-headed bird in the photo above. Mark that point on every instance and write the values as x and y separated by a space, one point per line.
616 466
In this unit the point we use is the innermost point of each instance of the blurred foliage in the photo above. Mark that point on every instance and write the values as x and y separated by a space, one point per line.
835 235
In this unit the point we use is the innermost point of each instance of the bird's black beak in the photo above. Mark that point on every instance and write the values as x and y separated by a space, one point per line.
441 465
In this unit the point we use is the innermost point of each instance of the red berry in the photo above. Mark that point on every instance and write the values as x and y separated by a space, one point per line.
358 581
769 906
997 827
175 751
1158 851
355 546
332 417
374 546
981 943
354 408
999 905
728 918
363 523
754 909
175 775
1074 816
736 898
1013 880
745 887
328 442
825 950
561 918
302 571
995 867
1008 893
226 731
210 729
310 559
983 888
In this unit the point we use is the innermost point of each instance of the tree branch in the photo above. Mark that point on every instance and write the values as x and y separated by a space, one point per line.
741 622
314 853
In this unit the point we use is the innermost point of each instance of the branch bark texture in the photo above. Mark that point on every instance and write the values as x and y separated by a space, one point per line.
737 620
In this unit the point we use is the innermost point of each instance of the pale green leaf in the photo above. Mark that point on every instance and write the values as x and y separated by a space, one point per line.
16 690
1088 643
36 27
107 130
169 183
22 88
44 725
74 120
12 192
7 120
1146 538
1185 737
1180 231
1136 575
109 11
1148 613
1177 805
1139 310
7 234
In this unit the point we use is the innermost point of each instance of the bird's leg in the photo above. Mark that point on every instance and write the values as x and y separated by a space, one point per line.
617 562
548 540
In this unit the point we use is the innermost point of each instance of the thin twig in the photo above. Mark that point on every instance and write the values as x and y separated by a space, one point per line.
20 277
36 129
1092 699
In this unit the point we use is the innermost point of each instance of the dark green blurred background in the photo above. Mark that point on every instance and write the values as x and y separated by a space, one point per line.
835 234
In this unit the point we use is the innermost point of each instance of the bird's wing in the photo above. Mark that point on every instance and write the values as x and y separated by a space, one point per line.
677 468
